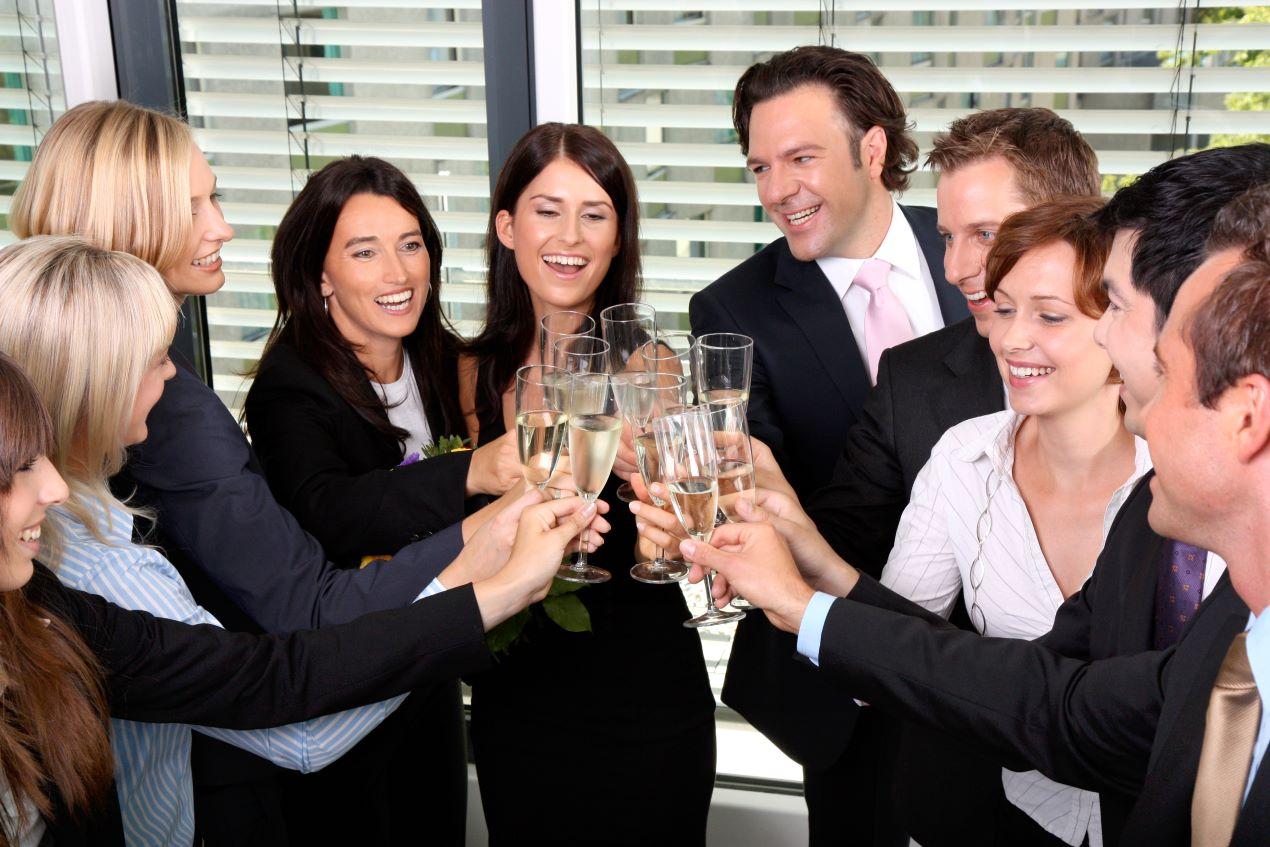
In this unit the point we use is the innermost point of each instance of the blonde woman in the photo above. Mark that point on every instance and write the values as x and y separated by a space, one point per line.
134 180
99 391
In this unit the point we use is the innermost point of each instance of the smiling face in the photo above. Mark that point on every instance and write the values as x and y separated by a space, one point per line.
564 234
160 371
822 191
1043 343
36 486
1192 446
199 272
1128 330
973 200
375 275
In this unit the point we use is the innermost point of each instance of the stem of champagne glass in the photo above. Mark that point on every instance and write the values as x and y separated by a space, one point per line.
710 607
581 563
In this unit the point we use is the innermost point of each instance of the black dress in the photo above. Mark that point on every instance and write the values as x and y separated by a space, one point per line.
604 737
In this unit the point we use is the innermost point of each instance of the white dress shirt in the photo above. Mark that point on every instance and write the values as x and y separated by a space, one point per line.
910 279
966 491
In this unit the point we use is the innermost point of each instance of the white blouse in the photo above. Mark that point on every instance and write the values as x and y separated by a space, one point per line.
405 410
964 497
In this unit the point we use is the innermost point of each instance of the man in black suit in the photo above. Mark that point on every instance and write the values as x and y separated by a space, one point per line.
1180 728
825 137
992 164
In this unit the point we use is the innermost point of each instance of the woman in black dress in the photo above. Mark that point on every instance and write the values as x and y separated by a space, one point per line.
604 737
358 376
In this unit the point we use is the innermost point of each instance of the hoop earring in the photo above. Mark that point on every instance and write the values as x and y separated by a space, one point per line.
325 306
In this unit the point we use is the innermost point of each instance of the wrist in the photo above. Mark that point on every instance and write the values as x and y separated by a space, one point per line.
498 600
792 614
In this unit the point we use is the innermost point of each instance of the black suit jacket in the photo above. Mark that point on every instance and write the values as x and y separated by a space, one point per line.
166 671
924 387
1129 725
336 473
809 380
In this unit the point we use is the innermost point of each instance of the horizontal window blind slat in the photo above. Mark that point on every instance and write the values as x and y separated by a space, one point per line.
841 7
211 66
319 31
323 107
342 144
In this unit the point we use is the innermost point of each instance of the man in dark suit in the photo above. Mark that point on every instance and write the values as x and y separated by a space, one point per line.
992 164
1180 728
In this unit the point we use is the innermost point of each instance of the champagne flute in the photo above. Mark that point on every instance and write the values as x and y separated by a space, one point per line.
736 464
690 466
626 327
658 393
594 431
541 422
558 325
725 362
582 354
674 352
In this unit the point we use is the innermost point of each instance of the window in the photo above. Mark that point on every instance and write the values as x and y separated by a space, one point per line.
276 90
31 95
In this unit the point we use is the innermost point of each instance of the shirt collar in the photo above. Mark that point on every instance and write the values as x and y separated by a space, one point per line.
996 443
114 522
898 247
1258 645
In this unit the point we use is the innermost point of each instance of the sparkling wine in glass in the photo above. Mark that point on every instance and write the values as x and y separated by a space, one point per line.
736 464
690 467
557 325
725 362
541 421
658 394
595 428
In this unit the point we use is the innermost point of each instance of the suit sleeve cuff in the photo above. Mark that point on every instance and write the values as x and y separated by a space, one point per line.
813 625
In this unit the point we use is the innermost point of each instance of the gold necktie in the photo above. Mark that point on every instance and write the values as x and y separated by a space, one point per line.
1234 715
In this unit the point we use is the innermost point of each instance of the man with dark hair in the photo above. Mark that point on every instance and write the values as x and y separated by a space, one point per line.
1182 730
826 138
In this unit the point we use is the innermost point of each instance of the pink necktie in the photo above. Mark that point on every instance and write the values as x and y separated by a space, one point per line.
886 322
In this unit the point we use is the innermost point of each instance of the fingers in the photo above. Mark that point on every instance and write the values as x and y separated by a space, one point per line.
641 490
573 524
751 512
515 508
700 553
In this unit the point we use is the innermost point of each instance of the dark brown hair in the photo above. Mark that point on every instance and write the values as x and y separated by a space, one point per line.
53 706
510 330
1230 332
298 254
1067 220
1049 157
865 99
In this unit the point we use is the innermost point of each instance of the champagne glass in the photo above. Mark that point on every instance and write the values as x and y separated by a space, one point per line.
657 394
690 467
558 325
736 464
674 352
725 361
594 431
582 354
541 422
626 327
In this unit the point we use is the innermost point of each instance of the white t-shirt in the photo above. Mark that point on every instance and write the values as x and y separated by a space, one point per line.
405 410
34 832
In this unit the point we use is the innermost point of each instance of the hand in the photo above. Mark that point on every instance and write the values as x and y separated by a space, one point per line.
624 466
488 550
545 532
758 565
767 473
823 568
660 526
495 466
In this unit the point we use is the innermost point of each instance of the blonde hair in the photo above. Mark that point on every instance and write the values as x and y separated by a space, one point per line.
116 174
85 324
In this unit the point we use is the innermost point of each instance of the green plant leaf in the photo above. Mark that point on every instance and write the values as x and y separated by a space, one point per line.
500 638
568 613
560 586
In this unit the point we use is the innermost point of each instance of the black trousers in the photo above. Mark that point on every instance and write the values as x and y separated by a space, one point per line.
852 802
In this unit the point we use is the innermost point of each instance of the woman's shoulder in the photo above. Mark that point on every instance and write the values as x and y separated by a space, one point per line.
282 370
974 436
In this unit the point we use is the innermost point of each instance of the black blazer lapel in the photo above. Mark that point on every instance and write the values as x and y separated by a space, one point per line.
951 302
809 299
1253 826
977 389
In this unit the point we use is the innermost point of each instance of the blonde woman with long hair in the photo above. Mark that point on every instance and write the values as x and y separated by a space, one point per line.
133 180
91 328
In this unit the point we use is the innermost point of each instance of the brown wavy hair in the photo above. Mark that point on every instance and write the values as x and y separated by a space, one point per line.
53 735
1068 220
864 96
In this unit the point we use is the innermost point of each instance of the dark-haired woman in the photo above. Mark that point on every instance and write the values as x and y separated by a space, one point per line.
604 737
358 378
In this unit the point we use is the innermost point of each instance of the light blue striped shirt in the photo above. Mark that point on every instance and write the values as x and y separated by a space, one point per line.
152 760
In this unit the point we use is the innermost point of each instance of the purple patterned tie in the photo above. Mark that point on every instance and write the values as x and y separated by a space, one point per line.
1178 589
